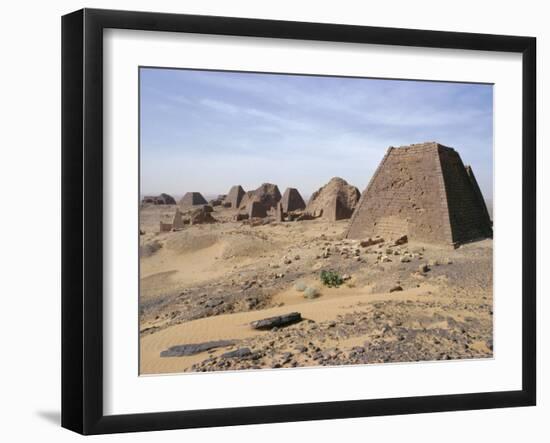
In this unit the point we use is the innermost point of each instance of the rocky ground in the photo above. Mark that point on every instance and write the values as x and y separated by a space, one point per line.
206 284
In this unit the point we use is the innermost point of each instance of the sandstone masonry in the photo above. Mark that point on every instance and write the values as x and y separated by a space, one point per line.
425 192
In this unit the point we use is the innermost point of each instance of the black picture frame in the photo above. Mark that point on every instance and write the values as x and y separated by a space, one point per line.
82 218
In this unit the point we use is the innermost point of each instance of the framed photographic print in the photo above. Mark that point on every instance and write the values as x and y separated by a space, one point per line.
268 221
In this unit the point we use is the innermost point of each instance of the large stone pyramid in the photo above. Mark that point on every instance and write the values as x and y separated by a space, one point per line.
423 191
235 196
192 199
292 200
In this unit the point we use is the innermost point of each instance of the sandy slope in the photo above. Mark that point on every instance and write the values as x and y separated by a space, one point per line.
237 326
208 282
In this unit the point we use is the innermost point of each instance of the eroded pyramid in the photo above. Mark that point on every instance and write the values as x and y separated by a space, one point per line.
334 201
268 195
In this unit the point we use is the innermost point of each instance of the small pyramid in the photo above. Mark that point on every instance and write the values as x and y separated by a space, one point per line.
425 192
192 199
235 196
292 200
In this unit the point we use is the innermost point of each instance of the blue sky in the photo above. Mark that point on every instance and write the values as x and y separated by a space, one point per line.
206 131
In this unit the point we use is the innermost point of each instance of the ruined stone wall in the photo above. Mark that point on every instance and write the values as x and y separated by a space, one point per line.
406 196
469 220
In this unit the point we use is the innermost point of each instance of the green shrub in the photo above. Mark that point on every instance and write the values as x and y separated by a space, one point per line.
331 279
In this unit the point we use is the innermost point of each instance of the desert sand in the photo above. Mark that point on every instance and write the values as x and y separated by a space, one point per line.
397 303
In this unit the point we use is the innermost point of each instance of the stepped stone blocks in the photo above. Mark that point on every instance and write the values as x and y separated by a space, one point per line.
292 200
256 210
422 191
235 196
192 199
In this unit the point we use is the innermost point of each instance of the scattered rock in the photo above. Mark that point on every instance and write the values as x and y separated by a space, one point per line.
286 357
213 303
195 348
401 240
370 241
396 288
423 268
277 321
237 353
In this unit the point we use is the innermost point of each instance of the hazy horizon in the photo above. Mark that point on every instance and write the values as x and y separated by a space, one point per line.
206 130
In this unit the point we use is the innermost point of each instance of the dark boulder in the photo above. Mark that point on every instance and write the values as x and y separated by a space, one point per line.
195 348
238 353
278 321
